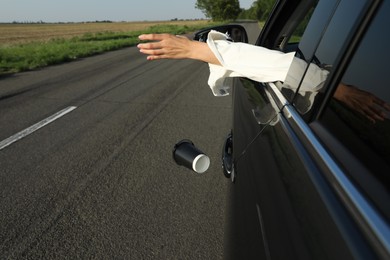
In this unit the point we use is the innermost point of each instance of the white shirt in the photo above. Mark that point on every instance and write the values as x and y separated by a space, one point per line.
259 64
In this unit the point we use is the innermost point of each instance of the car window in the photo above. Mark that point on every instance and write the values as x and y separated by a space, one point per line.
313 24
298 32
315 28
358 115
320 64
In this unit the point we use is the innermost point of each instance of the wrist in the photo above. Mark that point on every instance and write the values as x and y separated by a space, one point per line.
201 51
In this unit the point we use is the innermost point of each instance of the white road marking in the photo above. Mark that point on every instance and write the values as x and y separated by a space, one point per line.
35 127
262 227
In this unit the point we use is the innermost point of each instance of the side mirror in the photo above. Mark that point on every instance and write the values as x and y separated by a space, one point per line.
237 33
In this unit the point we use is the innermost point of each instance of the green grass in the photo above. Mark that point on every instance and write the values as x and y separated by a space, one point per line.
23 57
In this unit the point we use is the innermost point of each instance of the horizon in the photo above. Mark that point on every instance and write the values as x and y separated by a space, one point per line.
102 21
72 11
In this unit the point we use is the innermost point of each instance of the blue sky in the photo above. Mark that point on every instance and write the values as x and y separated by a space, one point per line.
91 10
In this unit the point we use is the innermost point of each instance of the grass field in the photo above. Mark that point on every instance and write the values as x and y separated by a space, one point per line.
11 34
30 46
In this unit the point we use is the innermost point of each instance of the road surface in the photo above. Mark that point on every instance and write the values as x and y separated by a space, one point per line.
86 167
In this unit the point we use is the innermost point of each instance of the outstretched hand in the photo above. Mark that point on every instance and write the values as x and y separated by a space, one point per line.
165 46
168 46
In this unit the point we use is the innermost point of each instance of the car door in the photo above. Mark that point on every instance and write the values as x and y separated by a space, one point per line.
286 201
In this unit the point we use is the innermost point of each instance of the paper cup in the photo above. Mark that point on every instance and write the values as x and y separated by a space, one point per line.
186 154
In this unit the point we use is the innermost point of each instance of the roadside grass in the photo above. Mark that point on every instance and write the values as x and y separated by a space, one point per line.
37 54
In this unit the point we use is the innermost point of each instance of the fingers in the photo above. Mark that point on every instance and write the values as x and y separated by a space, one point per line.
149 46
375 115
146 47
153 37
382 104
164 46
377 108
155 57
152 49
371 110
154 52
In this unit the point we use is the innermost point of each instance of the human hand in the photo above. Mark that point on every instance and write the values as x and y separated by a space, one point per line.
365 103
165 46
168 46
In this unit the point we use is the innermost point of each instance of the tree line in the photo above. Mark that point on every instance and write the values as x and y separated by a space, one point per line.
223 10
42 22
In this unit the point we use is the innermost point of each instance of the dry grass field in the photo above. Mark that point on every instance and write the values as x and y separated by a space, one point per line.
30 46
11 34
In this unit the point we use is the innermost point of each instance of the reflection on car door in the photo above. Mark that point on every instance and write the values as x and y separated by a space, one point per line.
274 216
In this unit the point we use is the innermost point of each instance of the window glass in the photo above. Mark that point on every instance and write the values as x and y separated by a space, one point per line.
332 44
298 32
315 23
359 114
320 18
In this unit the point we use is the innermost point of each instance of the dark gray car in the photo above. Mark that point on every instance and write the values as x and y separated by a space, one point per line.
309 162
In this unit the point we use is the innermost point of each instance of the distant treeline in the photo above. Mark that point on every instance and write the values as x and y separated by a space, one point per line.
97 21
42 22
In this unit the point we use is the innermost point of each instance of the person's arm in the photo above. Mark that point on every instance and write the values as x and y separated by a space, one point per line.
167 46
226 59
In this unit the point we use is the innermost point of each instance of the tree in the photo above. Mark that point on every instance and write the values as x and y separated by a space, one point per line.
219 10
263 8
260 10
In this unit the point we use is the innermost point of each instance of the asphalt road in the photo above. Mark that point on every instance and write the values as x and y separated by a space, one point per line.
98 181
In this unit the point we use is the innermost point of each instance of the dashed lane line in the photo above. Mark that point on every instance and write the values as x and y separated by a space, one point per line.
16 137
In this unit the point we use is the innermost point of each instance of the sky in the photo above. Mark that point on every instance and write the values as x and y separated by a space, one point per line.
99 10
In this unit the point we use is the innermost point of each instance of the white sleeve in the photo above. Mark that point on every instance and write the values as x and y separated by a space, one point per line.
244 60
314 76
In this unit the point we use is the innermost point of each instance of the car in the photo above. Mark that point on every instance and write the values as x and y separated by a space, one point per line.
309 163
